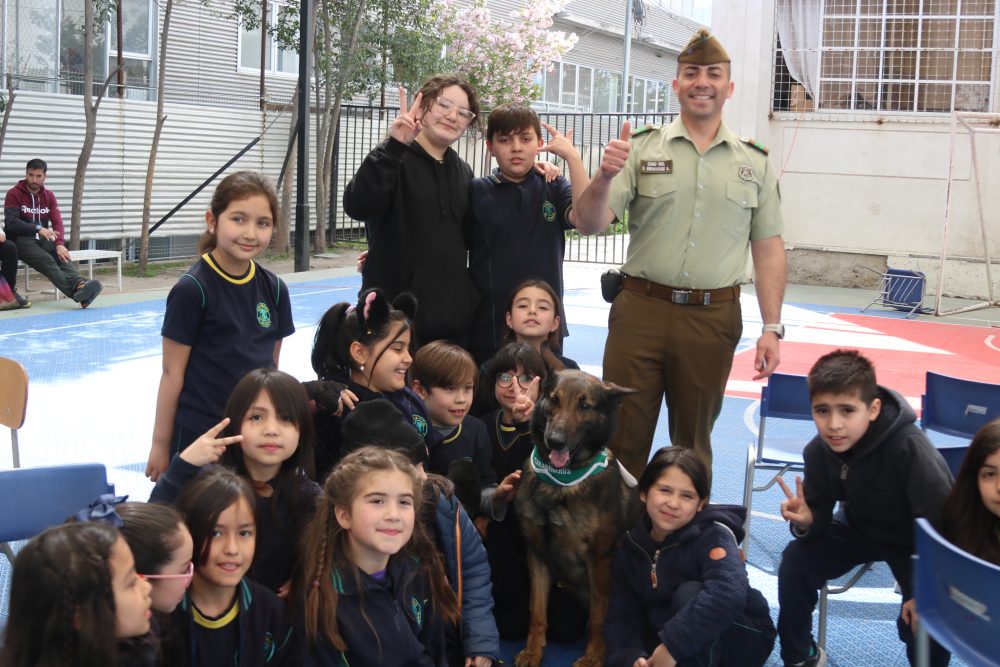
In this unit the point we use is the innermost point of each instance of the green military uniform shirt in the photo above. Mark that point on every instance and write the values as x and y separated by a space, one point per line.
692 216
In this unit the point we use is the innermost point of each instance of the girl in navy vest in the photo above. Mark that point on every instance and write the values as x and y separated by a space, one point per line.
371 588
225 317
680 593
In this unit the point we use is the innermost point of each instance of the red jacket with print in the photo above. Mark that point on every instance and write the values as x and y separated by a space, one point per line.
24 210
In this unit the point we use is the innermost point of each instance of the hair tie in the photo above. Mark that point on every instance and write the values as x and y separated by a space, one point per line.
368 304
315 583
102 509
350 309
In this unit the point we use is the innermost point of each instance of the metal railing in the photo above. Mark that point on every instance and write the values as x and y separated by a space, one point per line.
362 127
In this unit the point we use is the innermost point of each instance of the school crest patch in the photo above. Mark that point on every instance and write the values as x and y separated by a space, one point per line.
418 611
263 315
746 172
420 424
549 211
269 647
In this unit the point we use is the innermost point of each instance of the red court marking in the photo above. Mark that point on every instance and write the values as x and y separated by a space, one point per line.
902 370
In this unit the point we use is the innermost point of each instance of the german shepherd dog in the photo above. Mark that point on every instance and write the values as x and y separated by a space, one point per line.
571 526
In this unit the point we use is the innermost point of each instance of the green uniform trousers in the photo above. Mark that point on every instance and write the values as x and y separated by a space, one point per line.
41 255
683 351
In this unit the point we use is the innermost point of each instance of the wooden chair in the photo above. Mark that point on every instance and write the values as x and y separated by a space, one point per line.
13 400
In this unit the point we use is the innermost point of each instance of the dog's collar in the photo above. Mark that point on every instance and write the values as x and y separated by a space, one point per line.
568 476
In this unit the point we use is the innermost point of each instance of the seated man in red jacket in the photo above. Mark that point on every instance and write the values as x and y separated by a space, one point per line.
32 220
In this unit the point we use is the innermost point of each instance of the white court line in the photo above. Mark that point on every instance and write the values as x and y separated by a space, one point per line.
81 324
989 343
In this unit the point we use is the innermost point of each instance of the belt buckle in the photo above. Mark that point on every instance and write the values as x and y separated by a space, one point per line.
680 296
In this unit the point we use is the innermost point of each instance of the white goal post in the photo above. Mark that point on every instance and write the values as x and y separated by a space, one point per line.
991 126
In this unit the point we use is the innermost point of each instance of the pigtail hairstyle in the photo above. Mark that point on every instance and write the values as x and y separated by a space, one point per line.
325 547
291 402
966 522
62 606
368 322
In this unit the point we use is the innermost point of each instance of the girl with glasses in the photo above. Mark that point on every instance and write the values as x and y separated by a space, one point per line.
162 548
411 192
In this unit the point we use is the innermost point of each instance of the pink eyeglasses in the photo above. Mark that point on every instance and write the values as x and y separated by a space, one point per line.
188 574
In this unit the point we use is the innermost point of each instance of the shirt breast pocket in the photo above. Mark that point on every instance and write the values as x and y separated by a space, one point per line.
656 185
741 201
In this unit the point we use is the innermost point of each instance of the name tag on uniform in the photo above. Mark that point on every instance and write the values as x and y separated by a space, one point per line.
656 167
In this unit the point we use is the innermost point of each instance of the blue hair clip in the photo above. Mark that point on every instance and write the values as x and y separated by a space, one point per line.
102 508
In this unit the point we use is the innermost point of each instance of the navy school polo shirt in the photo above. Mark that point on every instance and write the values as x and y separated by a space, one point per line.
515 232
232 324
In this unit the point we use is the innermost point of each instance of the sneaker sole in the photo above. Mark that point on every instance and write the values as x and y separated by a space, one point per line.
86 294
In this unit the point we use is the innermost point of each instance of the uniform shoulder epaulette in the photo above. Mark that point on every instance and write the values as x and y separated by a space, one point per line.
753 143
643 130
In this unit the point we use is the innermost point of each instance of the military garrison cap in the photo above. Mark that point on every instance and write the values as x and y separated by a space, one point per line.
703 49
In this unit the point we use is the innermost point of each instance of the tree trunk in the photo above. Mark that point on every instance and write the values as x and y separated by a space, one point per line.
6 112
90 106
147 196
331 115
322 127
287 181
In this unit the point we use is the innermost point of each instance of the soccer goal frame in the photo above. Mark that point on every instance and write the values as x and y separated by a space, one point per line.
966 119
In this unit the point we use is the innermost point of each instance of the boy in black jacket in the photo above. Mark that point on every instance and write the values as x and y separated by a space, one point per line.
871 457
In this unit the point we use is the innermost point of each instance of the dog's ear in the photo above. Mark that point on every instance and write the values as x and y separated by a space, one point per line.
549 385
616 393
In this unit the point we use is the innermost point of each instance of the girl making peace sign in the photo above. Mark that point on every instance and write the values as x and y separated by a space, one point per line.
411 192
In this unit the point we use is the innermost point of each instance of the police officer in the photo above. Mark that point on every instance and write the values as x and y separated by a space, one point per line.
697 197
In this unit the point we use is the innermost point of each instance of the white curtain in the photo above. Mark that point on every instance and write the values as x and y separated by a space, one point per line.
799 25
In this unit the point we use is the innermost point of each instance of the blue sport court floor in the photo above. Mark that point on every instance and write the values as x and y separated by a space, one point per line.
94 375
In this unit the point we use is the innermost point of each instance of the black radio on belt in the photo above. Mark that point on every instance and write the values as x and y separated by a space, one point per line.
611 284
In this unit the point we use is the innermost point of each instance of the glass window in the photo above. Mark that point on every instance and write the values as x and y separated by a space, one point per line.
584 88
135 28
275 59
900 55
552 83
569 85
31 38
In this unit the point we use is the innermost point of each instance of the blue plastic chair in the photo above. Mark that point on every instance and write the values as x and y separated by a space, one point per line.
958 408
958 600
34 499
784 397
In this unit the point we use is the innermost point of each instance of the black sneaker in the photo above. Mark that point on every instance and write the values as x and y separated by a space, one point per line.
21 301
86 292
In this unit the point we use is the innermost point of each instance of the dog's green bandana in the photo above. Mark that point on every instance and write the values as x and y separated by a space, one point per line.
568 476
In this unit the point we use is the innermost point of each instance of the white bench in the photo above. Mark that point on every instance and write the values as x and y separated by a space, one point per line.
89 256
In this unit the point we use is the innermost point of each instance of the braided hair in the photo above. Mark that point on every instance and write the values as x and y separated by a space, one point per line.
325 547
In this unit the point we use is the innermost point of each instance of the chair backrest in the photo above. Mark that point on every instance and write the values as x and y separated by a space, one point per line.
786 397
958 407
958 597
13 393
33 499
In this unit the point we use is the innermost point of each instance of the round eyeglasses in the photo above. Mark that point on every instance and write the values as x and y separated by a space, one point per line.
506 380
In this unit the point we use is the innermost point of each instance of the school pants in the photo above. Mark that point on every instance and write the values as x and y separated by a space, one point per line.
806 565
41 256
684 351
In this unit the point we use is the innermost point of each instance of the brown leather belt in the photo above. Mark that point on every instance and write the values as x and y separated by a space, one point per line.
687 297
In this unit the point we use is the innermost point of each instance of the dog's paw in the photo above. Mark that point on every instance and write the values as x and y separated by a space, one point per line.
528 659
589 661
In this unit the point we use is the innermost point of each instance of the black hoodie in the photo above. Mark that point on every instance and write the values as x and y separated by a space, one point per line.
891 476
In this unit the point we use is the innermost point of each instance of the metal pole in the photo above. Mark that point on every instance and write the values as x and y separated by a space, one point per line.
628 54
301 170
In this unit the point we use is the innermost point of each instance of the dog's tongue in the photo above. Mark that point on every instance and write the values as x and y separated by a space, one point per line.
559 459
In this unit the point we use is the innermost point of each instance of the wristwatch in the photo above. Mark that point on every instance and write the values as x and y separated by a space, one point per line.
775 328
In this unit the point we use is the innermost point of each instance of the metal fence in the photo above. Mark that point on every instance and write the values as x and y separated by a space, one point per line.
362 127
